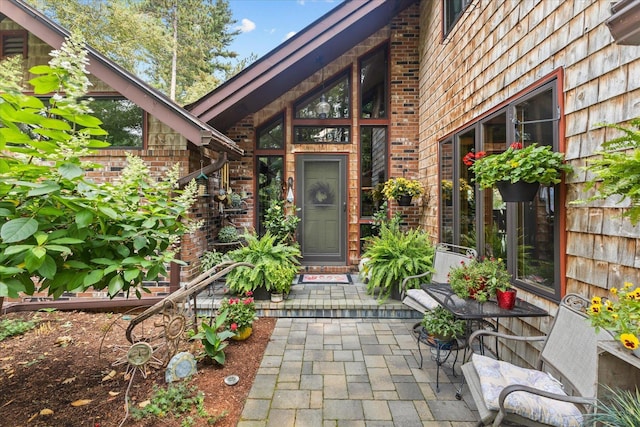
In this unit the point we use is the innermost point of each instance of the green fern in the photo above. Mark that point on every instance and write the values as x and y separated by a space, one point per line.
618 172
394 255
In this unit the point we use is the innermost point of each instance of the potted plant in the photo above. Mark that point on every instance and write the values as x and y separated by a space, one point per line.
402 190
239 315
505 295
620 314
479 279
393 255
527 167
281 280
282 222
617 408
265 253
442 325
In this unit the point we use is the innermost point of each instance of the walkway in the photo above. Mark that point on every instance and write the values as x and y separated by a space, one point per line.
351 372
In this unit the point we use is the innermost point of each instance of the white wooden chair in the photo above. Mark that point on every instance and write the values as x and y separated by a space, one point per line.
562 387
446 256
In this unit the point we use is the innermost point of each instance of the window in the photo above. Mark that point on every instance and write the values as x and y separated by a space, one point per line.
525 234
453 9
373 85
373 166
122 119
270 164
13 43
333 127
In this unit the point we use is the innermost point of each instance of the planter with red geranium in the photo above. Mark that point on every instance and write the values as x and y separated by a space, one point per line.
479 279
523 166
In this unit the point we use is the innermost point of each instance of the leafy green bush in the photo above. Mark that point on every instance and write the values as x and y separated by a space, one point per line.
58 226
214 338
228 234
11 327
265 253
618 172
394 255
442 324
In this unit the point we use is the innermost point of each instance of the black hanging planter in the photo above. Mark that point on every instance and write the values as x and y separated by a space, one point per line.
404 200
519 191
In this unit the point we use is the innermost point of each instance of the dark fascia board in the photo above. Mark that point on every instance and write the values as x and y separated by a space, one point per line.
289 64
125 83
624 23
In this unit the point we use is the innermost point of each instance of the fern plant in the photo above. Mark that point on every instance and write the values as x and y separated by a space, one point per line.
267 255
618 170
394 255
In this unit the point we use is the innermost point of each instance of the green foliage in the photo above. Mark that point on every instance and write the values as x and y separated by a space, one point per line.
441 323
140 35
394 255
380 217
210 259
56 225
11 327
174 401
619 408
281 224
228 234
618 172
214 338
480 278
533 163
265 254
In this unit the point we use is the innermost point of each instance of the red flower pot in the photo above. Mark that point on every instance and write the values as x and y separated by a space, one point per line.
506 299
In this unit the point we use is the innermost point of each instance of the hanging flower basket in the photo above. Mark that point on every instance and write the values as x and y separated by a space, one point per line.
519 191
404 200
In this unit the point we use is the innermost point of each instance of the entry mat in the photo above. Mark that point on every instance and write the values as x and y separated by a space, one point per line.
325 279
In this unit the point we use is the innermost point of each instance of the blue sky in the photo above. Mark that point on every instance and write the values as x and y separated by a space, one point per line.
265 24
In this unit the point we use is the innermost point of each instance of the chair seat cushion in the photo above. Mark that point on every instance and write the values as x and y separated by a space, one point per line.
418 299
495 375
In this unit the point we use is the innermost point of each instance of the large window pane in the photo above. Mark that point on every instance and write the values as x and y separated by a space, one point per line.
494 216
446 192
335 93
465 191
373 85
270 184
373 166
322 135
271 136
536 220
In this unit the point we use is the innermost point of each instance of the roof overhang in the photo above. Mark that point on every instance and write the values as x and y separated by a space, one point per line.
296 59
624 23
125 83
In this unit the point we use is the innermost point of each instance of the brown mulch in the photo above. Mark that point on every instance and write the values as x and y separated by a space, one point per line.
68 359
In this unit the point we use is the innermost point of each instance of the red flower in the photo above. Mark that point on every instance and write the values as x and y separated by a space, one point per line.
248 301
516 145
249 293
234 326
470 158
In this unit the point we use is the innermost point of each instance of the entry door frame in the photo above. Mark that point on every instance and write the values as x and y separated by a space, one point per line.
340 257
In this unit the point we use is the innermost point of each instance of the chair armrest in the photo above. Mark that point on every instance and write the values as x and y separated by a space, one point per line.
403 285
480 332
518 387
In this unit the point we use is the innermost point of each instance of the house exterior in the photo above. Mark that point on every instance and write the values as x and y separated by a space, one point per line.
156 130
382 89
421 86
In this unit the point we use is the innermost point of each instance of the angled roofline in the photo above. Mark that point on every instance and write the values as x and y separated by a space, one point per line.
125 83
294 60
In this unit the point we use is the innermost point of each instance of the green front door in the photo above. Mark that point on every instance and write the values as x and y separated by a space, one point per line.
321 195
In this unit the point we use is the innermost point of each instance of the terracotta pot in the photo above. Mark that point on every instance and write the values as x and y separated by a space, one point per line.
404 200
506 299
242 333
517 191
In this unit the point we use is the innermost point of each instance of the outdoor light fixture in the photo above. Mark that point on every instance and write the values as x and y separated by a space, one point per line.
323 107
203 182
290 190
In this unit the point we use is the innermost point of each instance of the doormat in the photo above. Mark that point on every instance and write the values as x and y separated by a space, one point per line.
325 279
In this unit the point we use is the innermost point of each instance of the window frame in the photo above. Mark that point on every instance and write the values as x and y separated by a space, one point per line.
345 123
553 292
449 23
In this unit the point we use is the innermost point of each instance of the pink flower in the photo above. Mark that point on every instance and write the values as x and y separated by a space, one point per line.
516 145
234 326
249 293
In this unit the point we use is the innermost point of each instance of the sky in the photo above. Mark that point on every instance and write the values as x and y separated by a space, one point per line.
265 24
